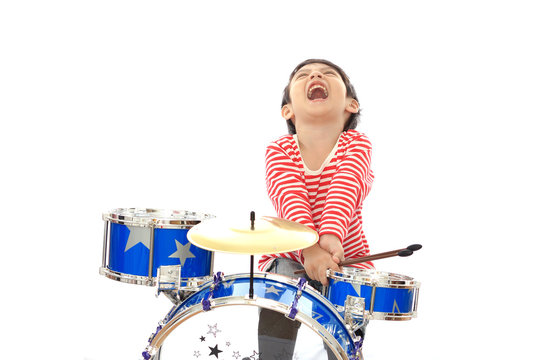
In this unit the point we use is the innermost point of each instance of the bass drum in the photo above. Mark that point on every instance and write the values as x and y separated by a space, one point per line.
238 327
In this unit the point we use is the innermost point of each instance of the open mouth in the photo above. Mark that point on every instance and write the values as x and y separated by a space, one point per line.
317 92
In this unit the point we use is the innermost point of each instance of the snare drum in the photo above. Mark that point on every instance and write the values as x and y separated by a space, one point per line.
138 242
229 327
387 296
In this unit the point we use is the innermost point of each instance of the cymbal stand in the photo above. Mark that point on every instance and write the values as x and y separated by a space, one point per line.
252 258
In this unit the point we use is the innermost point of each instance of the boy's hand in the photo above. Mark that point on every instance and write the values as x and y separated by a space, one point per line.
317 261
331 243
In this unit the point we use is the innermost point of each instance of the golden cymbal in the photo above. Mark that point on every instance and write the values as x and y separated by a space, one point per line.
270 235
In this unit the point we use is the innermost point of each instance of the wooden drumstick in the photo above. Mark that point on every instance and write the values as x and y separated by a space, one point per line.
364 259
408 251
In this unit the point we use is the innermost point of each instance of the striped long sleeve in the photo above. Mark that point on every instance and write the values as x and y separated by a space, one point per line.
286 186
329 200
348 188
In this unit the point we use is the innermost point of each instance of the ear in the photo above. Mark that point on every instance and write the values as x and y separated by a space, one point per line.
353 106
287 112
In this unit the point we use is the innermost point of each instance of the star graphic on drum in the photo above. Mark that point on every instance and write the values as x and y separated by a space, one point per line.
255 355
228 284
138 234
273 290
395 307
214 351
213 330
316 315
236 354
197 354
182 252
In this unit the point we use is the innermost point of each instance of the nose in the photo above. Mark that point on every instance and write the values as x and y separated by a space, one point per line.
314 74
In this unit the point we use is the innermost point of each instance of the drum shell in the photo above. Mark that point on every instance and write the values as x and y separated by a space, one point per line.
273 292
395 297
134 260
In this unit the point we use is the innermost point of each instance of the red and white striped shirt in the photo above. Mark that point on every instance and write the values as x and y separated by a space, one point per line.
328 200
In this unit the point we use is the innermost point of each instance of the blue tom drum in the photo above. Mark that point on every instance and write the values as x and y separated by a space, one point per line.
139 242
387 296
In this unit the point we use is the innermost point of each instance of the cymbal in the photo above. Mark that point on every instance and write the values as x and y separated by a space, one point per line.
270 235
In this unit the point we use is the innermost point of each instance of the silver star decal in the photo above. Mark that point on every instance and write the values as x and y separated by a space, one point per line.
255 355
273 290
138 234
228 284
316 316
182 252
213 330
395 307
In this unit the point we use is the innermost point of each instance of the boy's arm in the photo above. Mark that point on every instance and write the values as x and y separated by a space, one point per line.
286 187
348 189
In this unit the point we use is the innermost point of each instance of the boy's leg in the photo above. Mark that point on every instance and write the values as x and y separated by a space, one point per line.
277 334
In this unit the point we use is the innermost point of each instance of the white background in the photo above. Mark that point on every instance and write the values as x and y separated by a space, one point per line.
165 104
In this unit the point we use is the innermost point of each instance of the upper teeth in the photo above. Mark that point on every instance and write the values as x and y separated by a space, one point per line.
317 87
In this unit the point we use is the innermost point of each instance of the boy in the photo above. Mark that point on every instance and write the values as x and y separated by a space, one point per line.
318 175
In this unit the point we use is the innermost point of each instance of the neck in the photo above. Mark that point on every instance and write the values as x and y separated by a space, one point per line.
322 136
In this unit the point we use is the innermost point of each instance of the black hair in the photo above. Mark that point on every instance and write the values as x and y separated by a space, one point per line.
352 122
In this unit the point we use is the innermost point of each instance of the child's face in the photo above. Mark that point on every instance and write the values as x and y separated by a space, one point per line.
317 90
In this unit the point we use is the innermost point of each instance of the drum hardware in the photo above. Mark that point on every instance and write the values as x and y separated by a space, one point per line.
168 282
292 310
372 302
208 302
353 313
105 244
251 257
168 278
151 255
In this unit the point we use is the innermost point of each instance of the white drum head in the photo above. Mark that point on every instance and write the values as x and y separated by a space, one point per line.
231 332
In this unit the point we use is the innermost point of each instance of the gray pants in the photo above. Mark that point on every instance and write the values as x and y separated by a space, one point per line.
277 334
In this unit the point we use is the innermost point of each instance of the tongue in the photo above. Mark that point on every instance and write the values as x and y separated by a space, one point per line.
318 94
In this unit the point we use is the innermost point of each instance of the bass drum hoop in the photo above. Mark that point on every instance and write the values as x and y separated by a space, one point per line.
155 345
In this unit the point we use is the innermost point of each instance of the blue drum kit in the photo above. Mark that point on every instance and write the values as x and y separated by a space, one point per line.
217 316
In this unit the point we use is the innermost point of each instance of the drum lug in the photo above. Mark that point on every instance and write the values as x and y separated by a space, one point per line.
207 303
354 313
292 309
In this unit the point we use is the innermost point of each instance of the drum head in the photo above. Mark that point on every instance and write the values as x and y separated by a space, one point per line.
242 332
